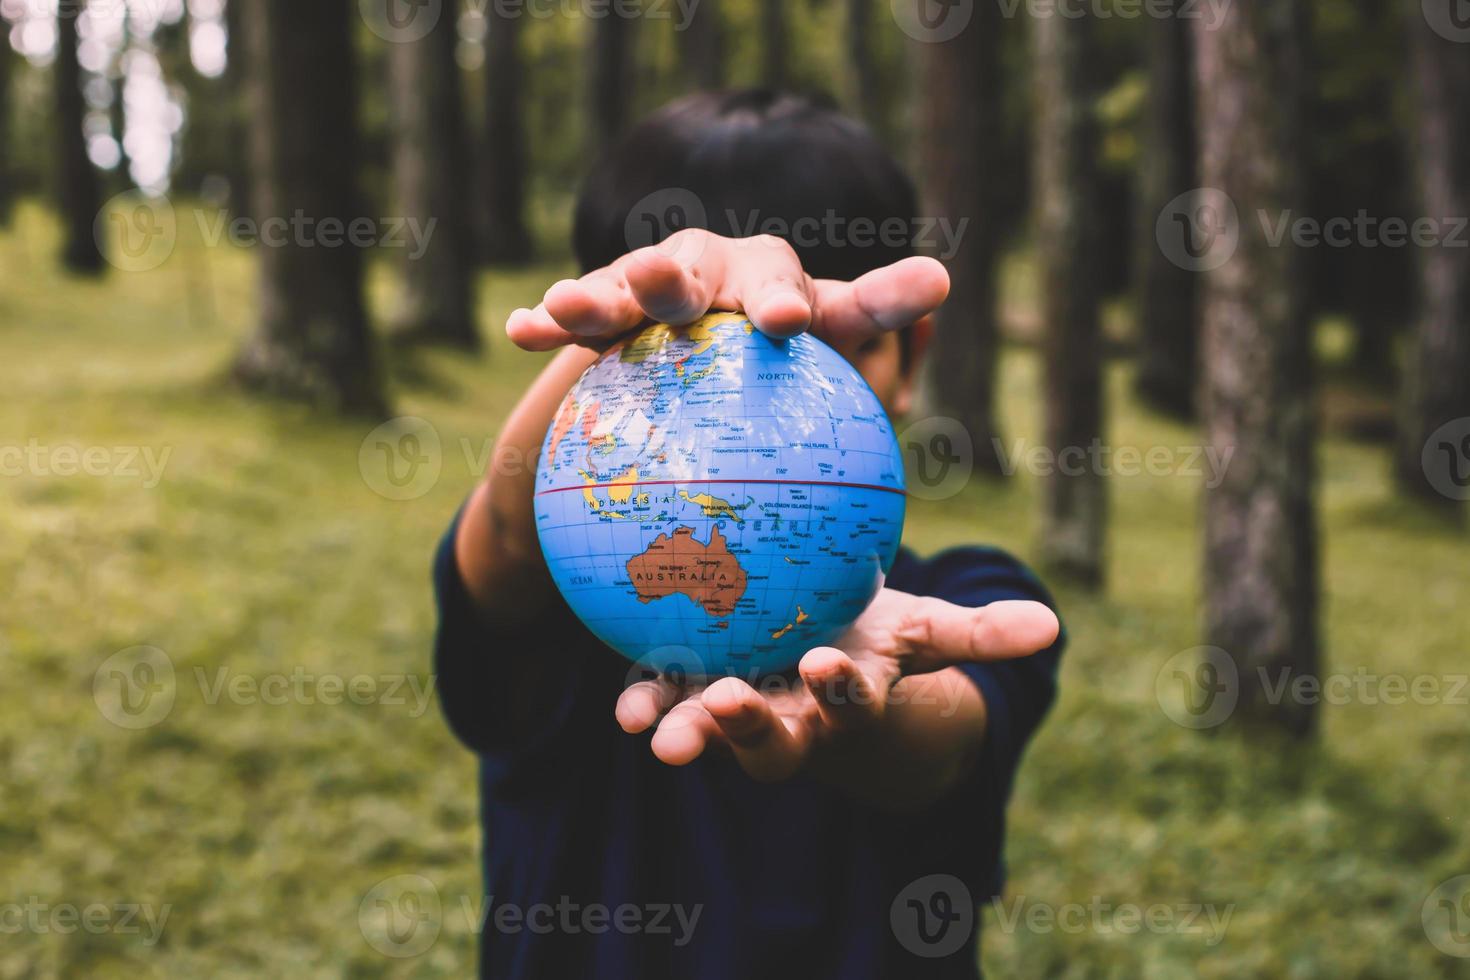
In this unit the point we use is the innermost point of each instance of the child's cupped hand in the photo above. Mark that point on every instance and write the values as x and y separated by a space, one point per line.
696 271
835 710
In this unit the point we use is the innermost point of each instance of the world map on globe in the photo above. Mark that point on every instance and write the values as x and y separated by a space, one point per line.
714 501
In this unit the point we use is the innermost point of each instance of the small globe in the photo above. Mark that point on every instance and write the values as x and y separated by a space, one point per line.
712 501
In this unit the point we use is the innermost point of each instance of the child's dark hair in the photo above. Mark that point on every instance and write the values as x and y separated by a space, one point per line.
753 162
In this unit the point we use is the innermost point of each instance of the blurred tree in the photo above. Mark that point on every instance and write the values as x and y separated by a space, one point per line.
505 240
959 122
77 188
702 47
1354 100
311 341
1436 386
1260 567
775 41
876 81
431 172
1074 491
7 177
1166 293
610 78
861 58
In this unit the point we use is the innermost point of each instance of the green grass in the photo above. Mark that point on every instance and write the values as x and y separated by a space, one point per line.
263 551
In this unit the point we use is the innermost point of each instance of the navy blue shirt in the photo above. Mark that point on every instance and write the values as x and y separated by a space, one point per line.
603 863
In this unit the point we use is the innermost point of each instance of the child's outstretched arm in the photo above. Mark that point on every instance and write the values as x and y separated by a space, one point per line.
496 548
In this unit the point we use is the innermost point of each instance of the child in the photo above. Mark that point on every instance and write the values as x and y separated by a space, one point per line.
842 828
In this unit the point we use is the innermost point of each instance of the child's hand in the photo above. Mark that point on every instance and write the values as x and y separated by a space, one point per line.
695 271
843 713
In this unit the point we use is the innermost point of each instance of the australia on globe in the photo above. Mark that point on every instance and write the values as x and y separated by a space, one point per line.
713 501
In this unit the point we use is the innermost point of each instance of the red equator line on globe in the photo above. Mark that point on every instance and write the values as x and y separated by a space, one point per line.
671 483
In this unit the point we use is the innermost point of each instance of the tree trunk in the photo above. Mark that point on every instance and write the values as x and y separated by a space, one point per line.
875 84
505 238
78 195
431 172
1166 297
774 42
702 47
610 80
860 57
1074 492
311 341
7 176
1433 454
1260 567
959 134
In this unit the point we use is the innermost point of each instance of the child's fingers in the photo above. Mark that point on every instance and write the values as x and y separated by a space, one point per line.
766 748
599 304
696 271
684 733
846 697
666 289
941 633
889 298
764 277
535 330
644 703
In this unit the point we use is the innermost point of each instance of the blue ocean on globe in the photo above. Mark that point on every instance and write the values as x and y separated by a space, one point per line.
713 501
